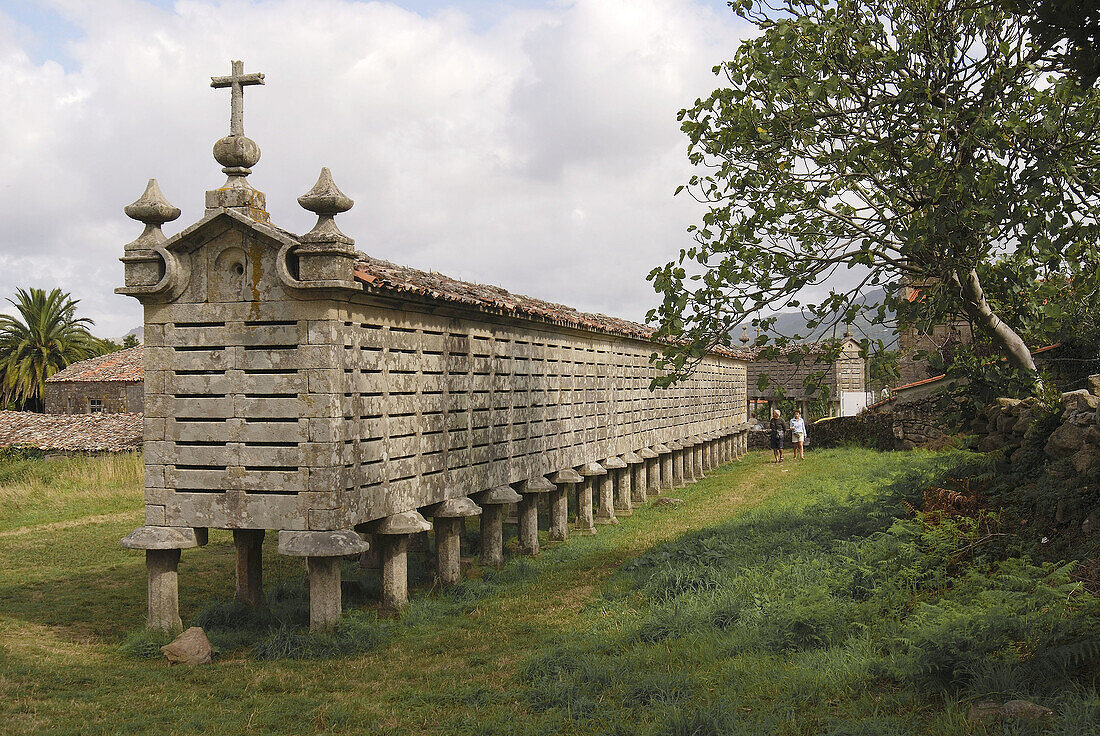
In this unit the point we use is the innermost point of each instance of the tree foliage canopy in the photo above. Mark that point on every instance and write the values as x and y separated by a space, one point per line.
44 337
920 141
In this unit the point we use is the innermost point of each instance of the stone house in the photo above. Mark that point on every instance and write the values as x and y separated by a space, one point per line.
940 339
111 384
845 378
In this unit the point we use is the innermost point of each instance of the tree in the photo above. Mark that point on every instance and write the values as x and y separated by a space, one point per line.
897 141
1074 22
44 337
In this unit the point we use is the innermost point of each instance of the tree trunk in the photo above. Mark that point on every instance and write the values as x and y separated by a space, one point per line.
974 303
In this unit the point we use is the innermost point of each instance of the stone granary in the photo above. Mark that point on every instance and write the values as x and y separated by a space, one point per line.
110 383
294 384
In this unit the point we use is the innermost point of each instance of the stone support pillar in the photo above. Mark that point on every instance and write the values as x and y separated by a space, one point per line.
162 545
565 481
322 551
707 447
687 453
650 471
492 504
585 518
392 534
448 519
665 465
530 490
162 566
677 464
636 475
250 568
605 511
700 442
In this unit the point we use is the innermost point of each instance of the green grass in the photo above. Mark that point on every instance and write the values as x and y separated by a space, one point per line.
67 489
735 613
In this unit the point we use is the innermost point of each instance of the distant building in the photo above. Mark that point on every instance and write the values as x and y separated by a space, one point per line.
845 378
111 384
942 340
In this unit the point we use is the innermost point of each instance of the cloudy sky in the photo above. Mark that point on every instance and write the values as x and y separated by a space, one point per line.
527 143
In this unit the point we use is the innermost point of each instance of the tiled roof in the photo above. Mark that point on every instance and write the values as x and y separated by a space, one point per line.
71 432
382 276
121 365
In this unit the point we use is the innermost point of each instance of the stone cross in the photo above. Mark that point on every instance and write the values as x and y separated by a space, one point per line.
237 81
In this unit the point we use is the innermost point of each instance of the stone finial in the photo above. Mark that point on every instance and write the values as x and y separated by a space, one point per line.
153 210
236 152
326 201
745 339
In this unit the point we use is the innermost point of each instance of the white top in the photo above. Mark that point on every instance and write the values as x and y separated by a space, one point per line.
798 426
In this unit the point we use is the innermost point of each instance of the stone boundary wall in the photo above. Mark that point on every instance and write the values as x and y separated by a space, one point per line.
889 426
1009 425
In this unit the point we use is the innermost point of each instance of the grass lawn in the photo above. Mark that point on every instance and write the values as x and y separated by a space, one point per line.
621 633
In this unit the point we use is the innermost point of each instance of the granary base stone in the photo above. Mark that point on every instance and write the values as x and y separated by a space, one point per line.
392 535
249 544
492 504
449 519
585 522
323 552
528 511
448 550
565 481
324 592
394 554
162 545
164 597
623 505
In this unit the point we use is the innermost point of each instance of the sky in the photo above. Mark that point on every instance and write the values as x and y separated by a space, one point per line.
531 144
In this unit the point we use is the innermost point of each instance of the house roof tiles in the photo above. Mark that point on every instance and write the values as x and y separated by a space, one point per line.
121 365
71 432
382 276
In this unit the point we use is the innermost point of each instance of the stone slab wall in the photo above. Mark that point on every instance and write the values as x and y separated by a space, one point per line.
272 407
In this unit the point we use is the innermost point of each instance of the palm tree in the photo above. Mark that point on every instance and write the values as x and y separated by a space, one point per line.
45 337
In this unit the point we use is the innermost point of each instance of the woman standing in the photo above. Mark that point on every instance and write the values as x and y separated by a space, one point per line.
775 435
798 435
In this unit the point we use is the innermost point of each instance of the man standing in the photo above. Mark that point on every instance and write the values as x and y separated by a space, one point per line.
775 435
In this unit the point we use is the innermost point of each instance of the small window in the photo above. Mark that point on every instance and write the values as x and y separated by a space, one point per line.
95 405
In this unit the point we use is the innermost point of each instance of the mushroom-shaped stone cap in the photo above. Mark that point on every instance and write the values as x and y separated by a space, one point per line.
647 453
325 198
592 469
613 463
566 476
631 458
675 446
538 484
407 522
162 537
454 508
497 496
321 544
151 208
662 449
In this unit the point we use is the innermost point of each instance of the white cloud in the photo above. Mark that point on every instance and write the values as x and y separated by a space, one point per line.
538 152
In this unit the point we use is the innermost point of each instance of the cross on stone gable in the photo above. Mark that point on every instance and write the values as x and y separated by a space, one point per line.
237 81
